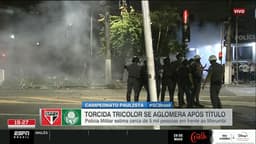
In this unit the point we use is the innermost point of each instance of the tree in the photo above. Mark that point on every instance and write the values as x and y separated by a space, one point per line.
164 28
126 33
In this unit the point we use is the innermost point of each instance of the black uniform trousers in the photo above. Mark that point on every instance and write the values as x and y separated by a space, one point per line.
158 86
166 82
144 83
184 88
173 86
214 95
181 91
133 84
196 91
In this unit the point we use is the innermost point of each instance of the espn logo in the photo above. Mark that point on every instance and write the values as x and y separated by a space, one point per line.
21 136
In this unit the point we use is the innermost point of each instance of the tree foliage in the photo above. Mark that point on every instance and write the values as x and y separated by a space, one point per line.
127 38
126 33
165 24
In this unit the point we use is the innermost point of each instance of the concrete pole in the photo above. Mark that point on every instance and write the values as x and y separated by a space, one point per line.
149 50
221 40
228 65
237 65
149 53
91 34
108 73
88 69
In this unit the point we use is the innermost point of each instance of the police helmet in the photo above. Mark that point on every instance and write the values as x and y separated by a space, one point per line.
212 58
197 57
135 59
166 60
179 55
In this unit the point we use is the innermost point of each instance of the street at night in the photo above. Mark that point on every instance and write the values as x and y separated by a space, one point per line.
181 70
26 104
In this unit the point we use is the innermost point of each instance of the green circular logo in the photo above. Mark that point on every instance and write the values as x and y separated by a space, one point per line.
71 117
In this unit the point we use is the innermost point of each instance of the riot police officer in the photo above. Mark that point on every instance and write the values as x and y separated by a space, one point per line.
133 82
144 79
215 75
185 83
157 76
167 79
175 78
197 71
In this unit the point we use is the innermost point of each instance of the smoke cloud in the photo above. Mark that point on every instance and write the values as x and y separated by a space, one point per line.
51 41
205 39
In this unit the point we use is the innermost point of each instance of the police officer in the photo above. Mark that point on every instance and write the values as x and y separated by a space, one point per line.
133 82
185 83
175 78
166 79
157 76
144 79
215 75
197 71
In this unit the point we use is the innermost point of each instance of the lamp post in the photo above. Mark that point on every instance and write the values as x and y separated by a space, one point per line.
105 18
108 69
236 38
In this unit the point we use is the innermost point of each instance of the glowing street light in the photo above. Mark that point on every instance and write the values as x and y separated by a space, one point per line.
3 55
12 36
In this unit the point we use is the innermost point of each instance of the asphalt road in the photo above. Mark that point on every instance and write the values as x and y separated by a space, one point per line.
25 103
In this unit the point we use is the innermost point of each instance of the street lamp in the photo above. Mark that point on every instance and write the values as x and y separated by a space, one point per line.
108 68
3 55
12 36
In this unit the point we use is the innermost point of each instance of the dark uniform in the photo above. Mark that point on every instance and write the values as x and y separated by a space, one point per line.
144 79
176 79
167 79
133 82
185 83
215 74
158 77
197 71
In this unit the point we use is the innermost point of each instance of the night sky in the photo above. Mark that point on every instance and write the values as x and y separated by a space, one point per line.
203 9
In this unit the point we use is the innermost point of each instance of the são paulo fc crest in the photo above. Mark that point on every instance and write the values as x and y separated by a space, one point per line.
51 116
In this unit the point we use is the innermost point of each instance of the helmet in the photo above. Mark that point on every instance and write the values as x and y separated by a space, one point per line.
197 57
179 55
166 60
212 58
135 59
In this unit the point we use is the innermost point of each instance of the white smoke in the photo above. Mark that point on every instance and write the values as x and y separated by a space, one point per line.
51 40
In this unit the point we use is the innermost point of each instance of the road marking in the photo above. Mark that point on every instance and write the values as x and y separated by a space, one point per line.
53 99
11 101
102 99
